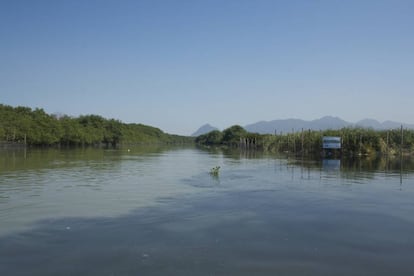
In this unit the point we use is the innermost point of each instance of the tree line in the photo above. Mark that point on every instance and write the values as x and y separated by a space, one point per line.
355 141
36 127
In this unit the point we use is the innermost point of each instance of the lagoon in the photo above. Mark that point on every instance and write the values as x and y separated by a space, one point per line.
158 211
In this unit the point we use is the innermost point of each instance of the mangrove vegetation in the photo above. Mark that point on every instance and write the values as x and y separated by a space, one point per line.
355 141
23 125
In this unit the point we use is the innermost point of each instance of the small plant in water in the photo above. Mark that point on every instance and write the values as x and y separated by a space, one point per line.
215 171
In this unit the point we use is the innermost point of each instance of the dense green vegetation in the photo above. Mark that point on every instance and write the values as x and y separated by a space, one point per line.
355 141
36 127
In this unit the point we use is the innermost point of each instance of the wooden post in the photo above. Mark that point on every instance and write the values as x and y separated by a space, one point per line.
294 142
402 139
288 141
401 153
388 140
302 140
401 169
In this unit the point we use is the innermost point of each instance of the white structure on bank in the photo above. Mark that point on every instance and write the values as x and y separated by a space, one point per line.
331 142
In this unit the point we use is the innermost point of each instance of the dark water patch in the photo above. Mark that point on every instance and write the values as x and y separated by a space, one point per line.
229 233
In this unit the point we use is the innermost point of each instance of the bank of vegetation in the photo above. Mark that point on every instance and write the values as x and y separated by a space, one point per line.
355 141
23 125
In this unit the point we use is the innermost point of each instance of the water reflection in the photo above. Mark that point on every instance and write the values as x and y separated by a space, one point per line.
234 153
244 233
159 212
45 183
388 164
354 169
15 159
331 164
359 167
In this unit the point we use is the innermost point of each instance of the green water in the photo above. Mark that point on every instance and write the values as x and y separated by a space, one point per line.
158 211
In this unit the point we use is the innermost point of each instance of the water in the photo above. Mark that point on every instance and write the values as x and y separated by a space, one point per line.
157 211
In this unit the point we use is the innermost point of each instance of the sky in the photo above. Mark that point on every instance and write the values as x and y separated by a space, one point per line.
178 64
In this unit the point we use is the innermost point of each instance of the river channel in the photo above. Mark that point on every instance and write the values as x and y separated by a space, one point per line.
158 211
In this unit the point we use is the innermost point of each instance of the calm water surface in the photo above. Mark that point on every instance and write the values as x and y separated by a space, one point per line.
157 211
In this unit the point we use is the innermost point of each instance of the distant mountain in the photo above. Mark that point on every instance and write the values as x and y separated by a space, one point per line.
327 122
204 129
391 124
371 123
287 125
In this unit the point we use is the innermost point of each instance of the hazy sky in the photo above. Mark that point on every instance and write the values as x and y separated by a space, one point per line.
179 64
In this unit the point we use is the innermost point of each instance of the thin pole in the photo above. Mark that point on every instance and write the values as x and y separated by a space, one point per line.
388 139
302 140
294 142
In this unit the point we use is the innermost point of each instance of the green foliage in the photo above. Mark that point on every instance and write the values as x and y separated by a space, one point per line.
232 135
215 171
214 137
355 141
36 127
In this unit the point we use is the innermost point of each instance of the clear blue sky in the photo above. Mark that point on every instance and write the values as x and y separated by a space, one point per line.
179 64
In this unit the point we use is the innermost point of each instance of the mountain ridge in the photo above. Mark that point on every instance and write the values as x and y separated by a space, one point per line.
323 123
206 128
